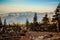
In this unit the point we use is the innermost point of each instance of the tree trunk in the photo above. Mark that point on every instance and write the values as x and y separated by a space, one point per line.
57 26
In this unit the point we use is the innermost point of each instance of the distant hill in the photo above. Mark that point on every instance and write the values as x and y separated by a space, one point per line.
20 17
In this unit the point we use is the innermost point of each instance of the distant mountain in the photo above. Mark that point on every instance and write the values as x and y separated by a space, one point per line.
20 17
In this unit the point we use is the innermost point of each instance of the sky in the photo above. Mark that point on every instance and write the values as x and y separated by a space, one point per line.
28 5
9 6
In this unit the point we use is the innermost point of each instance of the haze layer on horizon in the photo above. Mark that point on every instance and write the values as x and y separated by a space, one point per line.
28 5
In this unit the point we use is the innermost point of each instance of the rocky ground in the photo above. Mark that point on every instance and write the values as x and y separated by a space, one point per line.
44 35
37 36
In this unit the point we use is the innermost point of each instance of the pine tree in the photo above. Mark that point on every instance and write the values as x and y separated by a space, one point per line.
35 18
0 21
45 19
56 17
5 22
27 22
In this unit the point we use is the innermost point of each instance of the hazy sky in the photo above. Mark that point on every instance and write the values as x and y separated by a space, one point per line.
28 5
